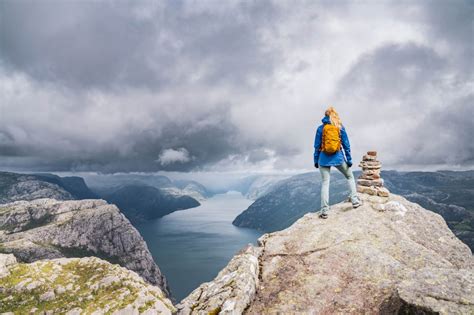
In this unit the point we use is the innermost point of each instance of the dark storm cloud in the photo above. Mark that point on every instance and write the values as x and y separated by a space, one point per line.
82 43
452 21
208 138
206 144
105 44
394 70
187 85
407 84
423 92
451 129
71 48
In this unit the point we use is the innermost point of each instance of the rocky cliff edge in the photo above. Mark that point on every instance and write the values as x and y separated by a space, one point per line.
389 256
48 229
76 286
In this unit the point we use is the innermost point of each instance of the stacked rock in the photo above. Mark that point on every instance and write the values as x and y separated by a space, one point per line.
369 181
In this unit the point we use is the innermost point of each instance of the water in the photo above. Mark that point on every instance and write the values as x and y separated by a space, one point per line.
192 246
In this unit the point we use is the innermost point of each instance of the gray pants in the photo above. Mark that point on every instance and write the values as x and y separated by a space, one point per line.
326 175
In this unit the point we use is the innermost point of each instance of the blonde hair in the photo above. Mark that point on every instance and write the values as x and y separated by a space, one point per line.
333 117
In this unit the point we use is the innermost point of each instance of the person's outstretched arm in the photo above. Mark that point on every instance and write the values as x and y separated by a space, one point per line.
317 145
346 146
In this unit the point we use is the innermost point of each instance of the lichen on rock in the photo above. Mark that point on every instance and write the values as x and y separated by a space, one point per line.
76 286
48 228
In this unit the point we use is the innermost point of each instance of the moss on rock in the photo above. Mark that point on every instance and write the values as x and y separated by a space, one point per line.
89 284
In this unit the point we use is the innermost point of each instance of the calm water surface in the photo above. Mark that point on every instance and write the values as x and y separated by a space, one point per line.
192 246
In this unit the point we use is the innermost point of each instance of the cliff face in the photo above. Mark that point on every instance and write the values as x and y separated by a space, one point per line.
142 202
48 228
76 286
14 186
388 256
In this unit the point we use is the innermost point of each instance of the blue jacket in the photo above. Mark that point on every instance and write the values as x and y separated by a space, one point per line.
337 158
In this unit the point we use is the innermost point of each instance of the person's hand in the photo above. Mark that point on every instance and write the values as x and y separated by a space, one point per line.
316 165
349 163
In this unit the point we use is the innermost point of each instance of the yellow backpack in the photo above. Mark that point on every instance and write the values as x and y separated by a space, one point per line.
331 139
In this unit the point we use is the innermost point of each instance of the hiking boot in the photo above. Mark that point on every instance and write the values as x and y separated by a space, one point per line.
356 204
323 215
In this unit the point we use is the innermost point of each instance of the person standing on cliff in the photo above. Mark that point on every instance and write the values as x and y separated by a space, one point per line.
330 142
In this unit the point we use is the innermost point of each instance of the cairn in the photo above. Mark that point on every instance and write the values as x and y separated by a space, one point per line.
369 181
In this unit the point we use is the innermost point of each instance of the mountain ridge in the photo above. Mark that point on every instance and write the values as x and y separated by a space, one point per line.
140 202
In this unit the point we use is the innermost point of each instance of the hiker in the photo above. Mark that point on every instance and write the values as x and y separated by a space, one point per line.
331 138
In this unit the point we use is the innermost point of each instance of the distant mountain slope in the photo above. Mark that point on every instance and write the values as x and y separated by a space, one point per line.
451 194
138 201
105 185
142 202
75 185
446 187
262 184
192 188
288 200
14 186
108 183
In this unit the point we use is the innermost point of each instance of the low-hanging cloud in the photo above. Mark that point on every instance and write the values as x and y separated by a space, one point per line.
186 85
170 156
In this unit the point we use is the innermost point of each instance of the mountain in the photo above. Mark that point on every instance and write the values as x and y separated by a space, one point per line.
288 200
28 187
104 184
48 228
14 186
76 286
137 201
190 188
142 202
262 184
451 194
107 185
389 256
75 185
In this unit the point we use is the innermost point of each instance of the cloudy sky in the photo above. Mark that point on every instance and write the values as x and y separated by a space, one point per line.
208 85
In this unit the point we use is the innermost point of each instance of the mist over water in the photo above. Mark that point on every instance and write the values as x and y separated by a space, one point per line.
192 246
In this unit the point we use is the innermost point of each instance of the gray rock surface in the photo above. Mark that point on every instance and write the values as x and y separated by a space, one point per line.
388 256
76 286
14 187
231 291
48 228
440 290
